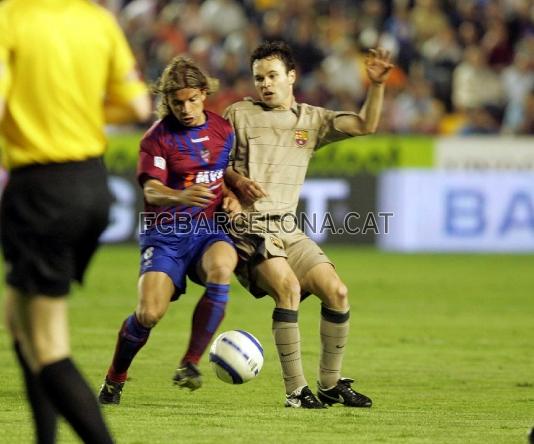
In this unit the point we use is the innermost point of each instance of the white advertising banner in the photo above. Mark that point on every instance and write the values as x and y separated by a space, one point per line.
436 210
484 153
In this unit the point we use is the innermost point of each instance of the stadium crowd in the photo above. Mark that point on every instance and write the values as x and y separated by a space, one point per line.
463 67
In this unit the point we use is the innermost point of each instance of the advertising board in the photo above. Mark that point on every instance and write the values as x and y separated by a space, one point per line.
435 210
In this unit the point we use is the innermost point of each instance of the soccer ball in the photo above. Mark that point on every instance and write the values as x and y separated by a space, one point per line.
236 356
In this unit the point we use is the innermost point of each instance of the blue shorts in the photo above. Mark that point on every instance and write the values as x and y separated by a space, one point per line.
177 254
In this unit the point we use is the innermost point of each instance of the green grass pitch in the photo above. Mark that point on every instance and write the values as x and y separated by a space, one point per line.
442 343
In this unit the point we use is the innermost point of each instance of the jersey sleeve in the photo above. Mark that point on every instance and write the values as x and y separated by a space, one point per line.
5 54
228 116
328 132
152 163
124 83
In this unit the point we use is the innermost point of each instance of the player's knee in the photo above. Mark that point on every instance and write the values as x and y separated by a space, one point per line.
149 317
338 296
287 293
49 349
220 273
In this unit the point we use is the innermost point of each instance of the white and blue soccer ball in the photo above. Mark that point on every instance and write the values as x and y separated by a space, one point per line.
236 356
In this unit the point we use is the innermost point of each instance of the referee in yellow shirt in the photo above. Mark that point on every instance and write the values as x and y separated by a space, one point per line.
65 69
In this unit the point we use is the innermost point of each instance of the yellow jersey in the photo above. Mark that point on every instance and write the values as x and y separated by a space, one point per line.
60 60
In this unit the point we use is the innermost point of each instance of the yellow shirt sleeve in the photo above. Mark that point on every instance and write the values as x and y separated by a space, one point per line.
5 51
124 83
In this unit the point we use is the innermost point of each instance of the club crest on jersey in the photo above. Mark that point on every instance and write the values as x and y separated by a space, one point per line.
301 137
277 242
205 154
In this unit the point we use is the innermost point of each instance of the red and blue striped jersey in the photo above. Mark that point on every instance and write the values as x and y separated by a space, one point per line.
180 156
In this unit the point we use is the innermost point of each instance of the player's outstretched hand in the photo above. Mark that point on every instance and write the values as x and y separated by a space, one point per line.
198 195
378 65
249 191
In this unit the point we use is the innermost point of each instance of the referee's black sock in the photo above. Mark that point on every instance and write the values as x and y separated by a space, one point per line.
44 414
73 398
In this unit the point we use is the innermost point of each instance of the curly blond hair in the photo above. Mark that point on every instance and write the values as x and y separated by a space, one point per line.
181 73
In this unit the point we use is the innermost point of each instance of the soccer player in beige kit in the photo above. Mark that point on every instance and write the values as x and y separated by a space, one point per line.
275 139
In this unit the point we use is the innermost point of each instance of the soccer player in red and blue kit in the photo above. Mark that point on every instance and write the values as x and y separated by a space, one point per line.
180 168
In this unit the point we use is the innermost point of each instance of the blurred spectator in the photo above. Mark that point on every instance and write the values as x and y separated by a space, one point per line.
526 125
496 44
272 25
452 56
520 14
191 22
371 15
482 120
399 27
307 53
222 16
441 53
342 68
427 19
416 110
474 84
468 34
518 81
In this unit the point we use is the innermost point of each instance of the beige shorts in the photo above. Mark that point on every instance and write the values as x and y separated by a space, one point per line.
265 239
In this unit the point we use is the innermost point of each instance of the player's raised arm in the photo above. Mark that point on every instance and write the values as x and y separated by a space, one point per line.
378 67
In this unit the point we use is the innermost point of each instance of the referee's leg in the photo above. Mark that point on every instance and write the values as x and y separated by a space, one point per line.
40 325
43 412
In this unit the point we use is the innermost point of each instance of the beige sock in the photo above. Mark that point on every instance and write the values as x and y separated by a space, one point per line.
334 333
287 340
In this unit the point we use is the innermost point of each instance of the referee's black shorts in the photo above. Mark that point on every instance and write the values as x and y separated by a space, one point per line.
51 217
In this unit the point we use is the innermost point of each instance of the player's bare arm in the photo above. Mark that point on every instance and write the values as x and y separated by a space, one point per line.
247 189
4 85
378 67
198 195
230 202
137 109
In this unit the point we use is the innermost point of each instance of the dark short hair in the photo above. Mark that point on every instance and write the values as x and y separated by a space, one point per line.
276 48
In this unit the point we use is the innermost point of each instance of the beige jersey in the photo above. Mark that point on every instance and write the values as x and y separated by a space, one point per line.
274 148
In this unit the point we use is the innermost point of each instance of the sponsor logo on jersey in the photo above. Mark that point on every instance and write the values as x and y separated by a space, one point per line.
208 176
201 139
301 137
